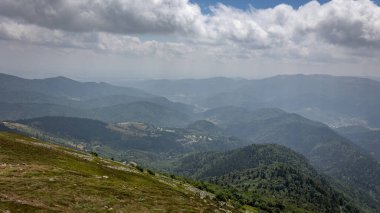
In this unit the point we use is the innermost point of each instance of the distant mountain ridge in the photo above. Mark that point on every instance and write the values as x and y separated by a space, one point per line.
60 96
67 88
334 100
189 91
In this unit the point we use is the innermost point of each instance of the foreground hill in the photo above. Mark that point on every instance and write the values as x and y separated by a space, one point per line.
329 152
262 174
37 176
40 177
355 170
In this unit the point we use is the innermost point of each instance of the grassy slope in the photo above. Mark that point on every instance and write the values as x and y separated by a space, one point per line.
37 176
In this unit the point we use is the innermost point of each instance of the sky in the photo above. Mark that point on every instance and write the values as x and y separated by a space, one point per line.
260 4
115 40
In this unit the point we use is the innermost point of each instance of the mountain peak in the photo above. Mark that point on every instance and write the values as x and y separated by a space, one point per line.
58 78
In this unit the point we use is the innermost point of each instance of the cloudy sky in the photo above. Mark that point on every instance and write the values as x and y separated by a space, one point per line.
113 40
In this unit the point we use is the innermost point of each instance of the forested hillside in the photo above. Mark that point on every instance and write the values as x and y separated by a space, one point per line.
267 175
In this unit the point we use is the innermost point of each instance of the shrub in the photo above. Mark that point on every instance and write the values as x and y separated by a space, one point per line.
139 168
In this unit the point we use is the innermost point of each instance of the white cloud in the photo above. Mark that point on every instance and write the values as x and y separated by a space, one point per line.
113 16
338 30
350 23
96 41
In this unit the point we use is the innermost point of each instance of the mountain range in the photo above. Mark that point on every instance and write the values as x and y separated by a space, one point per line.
256 143
24 98
353 170
335 100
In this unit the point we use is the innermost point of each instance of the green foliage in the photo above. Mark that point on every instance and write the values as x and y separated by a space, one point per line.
356 172
269 177
150 172
94 154
140 168
329 152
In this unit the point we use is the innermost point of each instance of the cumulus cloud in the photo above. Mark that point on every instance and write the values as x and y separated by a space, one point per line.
350 23
133 45
117 25
96 41
113 16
